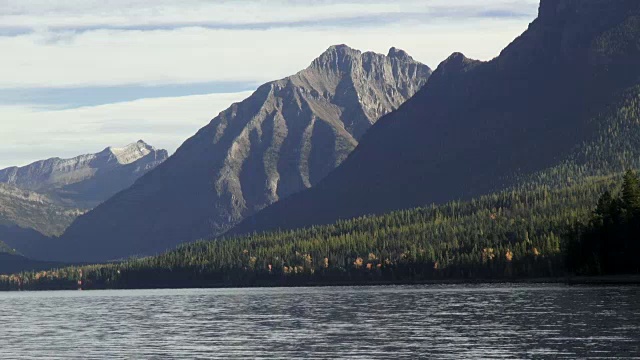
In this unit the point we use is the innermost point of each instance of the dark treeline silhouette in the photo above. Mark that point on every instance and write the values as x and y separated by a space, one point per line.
610 242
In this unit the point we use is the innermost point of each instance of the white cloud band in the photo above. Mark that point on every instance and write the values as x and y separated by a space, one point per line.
29 134
80 44
189 55
70 14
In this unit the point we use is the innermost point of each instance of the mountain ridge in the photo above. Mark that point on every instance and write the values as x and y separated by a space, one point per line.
40 200
283 138
85 180
31 210
478 127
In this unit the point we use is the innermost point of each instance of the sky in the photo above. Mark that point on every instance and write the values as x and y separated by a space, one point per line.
77 76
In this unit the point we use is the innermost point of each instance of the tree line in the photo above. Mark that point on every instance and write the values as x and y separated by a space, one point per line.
507 235
609 243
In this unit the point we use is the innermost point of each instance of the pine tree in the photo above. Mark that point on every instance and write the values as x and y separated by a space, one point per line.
631 193
605 209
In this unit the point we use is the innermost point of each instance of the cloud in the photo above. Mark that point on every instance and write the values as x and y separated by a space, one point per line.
197 55
88 14
30 134
83 43
79 75
73 97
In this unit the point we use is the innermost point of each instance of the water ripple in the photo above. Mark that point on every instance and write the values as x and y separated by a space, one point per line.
447 322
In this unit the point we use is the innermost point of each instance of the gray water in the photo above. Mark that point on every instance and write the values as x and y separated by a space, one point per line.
501 321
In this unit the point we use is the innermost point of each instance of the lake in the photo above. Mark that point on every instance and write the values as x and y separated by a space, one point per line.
436 321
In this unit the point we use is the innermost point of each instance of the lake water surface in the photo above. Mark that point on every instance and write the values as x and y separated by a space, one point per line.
453 321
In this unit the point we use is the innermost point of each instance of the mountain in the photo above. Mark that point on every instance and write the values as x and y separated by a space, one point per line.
30 210
28 219
284 138
560 103
510 235
39 201
5 249
86 180
13 263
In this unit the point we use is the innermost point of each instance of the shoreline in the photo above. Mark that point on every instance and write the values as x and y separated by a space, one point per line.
604 280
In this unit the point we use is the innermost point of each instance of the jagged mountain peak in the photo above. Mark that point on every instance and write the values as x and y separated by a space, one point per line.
342 58
285 137
339 50
88 179
130 153
456 62
336 58
477 127
45 197
455 58
398 54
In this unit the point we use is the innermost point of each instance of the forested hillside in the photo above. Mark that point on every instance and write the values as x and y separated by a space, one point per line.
559 104
610 242
512 234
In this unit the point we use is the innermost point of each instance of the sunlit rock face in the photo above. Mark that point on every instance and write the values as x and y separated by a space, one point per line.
86 180
284 138
558 104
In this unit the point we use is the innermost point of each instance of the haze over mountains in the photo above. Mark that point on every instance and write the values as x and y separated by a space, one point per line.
558 104
42 199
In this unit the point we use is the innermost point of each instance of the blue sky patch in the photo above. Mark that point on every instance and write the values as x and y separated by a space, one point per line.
64 98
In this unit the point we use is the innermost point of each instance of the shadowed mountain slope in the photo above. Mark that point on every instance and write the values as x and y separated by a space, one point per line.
14 263
41 200
282 139
559 103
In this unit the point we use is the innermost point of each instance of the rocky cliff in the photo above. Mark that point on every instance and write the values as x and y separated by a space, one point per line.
284 138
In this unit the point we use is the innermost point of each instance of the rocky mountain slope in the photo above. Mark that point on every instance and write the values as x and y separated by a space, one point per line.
86 180
560 103
39 201
28 219
31 210
5 249
284 138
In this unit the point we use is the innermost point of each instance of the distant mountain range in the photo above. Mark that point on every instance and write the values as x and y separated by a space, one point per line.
560 103
284 138
86 180
31 210
42 199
